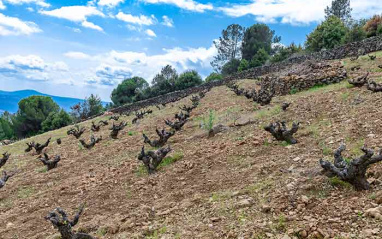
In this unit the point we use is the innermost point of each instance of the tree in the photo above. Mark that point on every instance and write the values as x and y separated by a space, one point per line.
228 46
327 35
230 67
244 65
188 79
6 127
56 120
130 90
93 105
214 77
257 37
340 9
285 52
373 27
163 83
31 113
260 58
355 32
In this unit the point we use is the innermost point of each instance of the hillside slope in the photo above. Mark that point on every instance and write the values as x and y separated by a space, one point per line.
239 184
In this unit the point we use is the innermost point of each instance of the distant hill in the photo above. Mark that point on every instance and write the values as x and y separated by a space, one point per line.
9 100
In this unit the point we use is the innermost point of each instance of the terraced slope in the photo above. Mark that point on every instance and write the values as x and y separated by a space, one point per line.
239 184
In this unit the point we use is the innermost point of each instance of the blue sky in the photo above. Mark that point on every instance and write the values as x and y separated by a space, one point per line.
75 48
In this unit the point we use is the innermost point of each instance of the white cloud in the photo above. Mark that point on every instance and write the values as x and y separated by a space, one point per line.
184 4
32 67
119 65
13 26
140 20
77 14
296 11
150 33
76 55
109 3
2 6
167 21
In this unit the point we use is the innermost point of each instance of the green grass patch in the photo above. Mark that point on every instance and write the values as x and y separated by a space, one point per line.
268 112
170 160
156 234
42 170
25 192
102 231
336 182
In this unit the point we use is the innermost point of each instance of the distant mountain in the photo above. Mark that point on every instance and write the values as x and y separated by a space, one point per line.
9 100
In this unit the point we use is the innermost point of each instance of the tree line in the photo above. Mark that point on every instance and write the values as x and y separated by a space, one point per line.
39 114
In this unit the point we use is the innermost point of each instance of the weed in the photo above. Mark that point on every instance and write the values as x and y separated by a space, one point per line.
336 182
170 160
325 149
25 192
42 170
156 234
269 112
130 133
293 91
345 96
285 144
281 224
101 231
373 196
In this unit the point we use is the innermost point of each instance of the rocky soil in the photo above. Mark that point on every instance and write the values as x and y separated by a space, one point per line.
239 184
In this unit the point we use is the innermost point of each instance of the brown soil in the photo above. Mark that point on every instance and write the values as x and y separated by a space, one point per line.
238 184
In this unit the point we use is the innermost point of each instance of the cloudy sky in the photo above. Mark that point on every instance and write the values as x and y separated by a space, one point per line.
74 48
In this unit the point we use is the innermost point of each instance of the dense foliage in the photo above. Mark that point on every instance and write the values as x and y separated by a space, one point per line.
214 77
32 112
130 90
230 67
257 37
91 106
373 27
56 120
327 35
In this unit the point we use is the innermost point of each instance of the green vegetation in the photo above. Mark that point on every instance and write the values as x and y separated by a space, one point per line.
327 35
25 192
336 182
214 77
170 160
156 234
91 106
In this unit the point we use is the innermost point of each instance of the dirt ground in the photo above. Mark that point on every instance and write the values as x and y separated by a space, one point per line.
239 184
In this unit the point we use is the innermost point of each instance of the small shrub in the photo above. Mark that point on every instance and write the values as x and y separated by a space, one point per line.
293 91
336 182
170 160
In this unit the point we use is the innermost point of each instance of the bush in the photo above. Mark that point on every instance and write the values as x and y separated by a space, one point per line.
355 33
259 58
327 35
32 112
244 65
214 77
188 79
285 52
129 91
230 67
56 120
373 27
